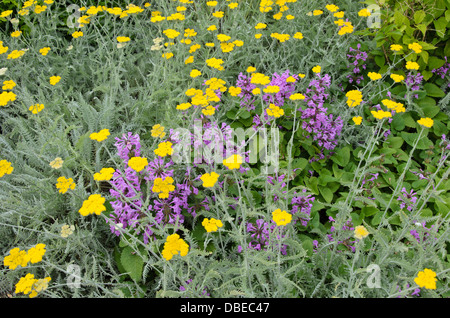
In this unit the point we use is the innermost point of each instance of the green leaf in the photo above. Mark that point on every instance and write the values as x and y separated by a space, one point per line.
419 16
440 25
433 90
326 193
132 263
410 139
342 156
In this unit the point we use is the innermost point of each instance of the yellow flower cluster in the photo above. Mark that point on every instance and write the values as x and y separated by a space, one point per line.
94 204
426 122
44 51
174 245
281 217
282 37
357 120
54 80
397 77
275 111
380 114
360 232
233 162
211 225
5 167
104 175
426 279
164 149
259 79
64 184
374 76
163 187
354 98
15 54
397 107
18 257
32 286
36 108
209 179
215 63
100 136
158 131
57 163
6 97
138 163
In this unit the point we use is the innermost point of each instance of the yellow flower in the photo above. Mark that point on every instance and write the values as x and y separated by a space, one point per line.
218 14
332 7
56 163
380 114
211 3
209 179
251 69
258 35
184 106
100 136
354 98
212 28
15 54
138 163
54 80
364 13
67 230
297 96
6 97
8 85
77 34
163 187
396 47
317 12
36 108
339 14
233 162
215 63
281 217
426 122
44 51
164 149
104 175
158 131
94 204
211 225
298 35
65 184
416 47
360 232
346 27
171 33
189 60
260 26
174 245
357 120
16 34
5 167
274 111
271 89
256 91
36 253
412 65
233 5
374 76
123 39
234 91
426 279
397 78
317 69
259 78
167 55
16 257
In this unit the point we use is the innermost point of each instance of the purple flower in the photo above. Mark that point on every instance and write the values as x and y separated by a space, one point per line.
128 146
302 205
260 232
407 199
